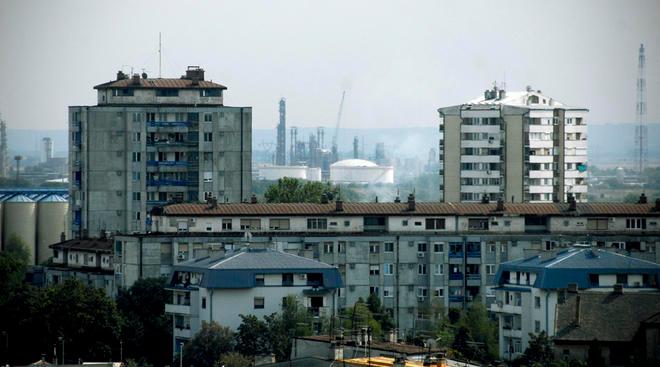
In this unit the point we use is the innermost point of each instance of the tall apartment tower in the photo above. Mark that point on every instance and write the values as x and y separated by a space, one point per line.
153 141
280 150
47 149
514 146
4 155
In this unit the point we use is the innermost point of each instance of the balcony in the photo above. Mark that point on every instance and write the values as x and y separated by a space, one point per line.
456 255
177 309
182 333
455 276
455 298
474 254
167 163
473 280
167 183
500 307
169 124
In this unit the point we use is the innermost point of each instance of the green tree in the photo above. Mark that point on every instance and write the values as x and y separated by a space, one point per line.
210 342
234 359
147 330
13 265
17 246
85 317
294 320
379 313
482 329
359 317
251 339
539 350
292 190
463 343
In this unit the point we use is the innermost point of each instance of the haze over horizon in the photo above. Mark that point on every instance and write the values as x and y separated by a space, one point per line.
398 62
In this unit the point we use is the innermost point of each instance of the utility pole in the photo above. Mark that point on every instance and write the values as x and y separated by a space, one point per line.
641 140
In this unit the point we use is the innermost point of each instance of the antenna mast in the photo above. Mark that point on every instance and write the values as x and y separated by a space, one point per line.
160 57
641 129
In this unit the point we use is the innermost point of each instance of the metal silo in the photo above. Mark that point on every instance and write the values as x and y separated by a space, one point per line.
20 218
51 222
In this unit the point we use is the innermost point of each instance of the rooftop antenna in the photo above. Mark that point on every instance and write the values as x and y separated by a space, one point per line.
160 57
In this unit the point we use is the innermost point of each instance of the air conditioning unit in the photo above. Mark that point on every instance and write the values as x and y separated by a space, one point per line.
612 219
420 254
180 257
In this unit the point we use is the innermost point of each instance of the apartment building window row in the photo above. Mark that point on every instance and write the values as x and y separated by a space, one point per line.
481 121
317 223
478 136
435 223
636 223
541 136
468 181
481 151
597 224
480 166
280 224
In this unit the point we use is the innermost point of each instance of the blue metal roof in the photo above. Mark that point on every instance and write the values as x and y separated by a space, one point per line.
19 199
238 270
53 199
574 266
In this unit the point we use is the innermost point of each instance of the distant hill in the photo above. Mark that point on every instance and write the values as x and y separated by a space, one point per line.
608 143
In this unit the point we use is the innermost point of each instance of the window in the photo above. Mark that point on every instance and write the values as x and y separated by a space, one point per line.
373 290
287 279
421 269
208 117
435 223
418 223
208 137
248 224
492 247
341 247
438 269
537 326
374 247
167 92
537 302
478 223
404 223
136 176
439 292
258 279
136 156
280 224
388 269
203 302
490 269
597 224
226 224
421 247
636 223
388 292
438 247
136 196
136 137
210 92
422 292
622 279
347 223
124 92
151 117
328 248
259 302
317 223
374 269
389 246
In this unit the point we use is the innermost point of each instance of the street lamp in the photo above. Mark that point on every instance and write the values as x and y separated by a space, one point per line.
181 353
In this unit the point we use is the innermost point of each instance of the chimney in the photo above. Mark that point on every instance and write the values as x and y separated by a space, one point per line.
144 75
502 94
487 94
618 288
642 199
85 234
62 237
121 75
253 199
376 199
398 200
485 199
195 74
500 205
136 79
411 203
577 310
572 287
339 205
324 198
657 205
572 205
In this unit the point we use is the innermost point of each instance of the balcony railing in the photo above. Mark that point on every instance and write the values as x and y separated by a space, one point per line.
456 254
456 276
167 183
168 163
169 124
474 254
474 277
455 298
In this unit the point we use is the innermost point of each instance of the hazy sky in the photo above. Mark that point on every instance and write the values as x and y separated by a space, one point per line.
398 60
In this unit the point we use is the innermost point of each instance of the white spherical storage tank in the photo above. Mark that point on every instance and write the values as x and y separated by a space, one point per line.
360 171
52 213
20 219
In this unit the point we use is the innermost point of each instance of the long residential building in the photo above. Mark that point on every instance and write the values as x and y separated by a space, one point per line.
517 146
412 255
152 141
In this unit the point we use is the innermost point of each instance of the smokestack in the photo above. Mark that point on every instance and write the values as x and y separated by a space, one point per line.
356 147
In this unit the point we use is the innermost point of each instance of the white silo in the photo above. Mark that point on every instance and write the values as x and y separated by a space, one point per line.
20 219
361 171
51 222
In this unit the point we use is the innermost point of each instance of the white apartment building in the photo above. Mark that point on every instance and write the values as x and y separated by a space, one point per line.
252 281
529 289
518 146
153 141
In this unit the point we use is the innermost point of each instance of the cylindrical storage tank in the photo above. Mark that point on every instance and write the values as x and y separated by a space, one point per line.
361 171
51 222
268 172
20 219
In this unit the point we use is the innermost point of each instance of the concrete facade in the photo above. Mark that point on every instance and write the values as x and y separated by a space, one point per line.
132 152
518 146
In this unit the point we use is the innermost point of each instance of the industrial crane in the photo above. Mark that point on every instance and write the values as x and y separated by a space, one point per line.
335 154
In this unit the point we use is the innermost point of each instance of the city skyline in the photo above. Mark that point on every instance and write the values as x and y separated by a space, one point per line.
398 63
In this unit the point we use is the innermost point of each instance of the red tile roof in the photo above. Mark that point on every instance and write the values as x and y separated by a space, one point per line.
421 208
160 83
